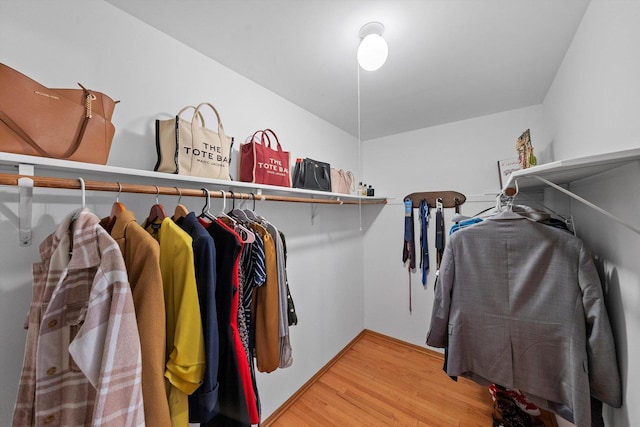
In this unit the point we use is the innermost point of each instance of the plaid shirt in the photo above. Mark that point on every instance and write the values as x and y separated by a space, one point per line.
82 363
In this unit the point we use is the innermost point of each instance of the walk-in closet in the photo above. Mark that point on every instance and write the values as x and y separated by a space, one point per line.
431 135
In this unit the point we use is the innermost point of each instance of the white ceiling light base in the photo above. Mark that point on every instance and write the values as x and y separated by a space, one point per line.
373 50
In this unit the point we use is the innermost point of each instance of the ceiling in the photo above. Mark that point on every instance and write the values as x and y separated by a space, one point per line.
449 60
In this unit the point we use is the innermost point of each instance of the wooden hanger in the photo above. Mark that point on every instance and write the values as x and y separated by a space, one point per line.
157 211
181 210
116 209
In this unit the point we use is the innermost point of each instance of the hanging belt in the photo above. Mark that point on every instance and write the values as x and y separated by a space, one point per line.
409 248
424 249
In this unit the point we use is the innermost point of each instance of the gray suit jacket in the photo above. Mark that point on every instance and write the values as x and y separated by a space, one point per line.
520 304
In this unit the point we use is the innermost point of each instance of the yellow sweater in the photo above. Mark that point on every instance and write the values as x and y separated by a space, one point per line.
185 341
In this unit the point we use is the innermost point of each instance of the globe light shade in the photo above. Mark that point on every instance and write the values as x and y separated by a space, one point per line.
372 52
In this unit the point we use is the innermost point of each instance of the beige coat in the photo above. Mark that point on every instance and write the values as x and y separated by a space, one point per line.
81 333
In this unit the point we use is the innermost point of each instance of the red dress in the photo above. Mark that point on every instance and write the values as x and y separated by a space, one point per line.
229 246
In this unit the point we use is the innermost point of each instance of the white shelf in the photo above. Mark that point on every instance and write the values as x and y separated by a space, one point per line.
555 174
43 166
566 171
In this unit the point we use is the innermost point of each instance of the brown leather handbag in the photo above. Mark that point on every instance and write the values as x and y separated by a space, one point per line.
69 124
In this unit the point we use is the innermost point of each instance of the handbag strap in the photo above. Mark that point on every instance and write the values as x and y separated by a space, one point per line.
266 132
198 113
351 182
261 140
299 177
324 172
347 179
220 127
88 96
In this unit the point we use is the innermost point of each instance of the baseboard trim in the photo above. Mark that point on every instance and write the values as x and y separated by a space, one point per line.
295 396
405 344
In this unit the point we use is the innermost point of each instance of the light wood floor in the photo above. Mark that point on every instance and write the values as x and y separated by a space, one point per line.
380 381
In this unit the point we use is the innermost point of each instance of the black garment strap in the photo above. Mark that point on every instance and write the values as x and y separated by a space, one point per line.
440 235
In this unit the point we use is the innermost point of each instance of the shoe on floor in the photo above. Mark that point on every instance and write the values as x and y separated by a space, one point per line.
518 397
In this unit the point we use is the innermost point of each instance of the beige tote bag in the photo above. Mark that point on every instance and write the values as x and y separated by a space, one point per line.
189 148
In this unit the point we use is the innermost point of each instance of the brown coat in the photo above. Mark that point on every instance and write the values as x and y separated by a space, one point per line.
265 308
141 254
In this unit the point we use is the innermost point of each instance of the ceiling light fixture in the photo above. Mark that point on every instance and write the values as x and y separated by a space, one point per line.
373 50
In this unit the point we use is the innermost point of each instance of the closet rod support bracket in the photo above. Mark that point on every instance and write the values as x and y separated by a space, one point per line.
585 202
25 198
25 202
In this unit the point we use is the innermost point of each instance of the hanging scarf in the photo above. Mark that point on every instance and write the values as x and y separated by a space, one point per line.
409 248
424 249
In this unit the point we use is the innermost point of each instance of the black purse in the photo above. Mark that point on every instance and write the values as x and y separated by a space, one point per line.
311 174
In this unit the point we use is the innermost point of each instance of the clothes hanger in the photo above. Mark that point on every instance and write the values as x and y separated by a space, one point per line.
181 210
507 198
504 203
251 213
82 189
224 206
205 210
116 209
157 211
499 202
238 213
76 214
546 215
457 217
246 234
84 198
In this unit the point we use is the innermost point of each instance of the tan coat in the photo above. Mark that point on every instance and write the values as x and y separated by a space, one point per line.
265 308
141 254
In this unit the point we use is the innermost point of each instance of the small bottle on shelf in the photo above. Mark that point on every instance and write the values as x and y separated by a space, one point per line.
359 193
370 191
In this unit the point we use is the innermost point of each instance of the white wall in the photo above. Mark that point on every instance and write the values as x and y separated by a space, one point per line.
90 41
593 107
460 156
594 101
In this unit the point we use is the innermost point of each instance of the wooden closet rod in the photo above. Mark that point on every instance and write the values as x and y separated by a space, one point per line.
74 184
